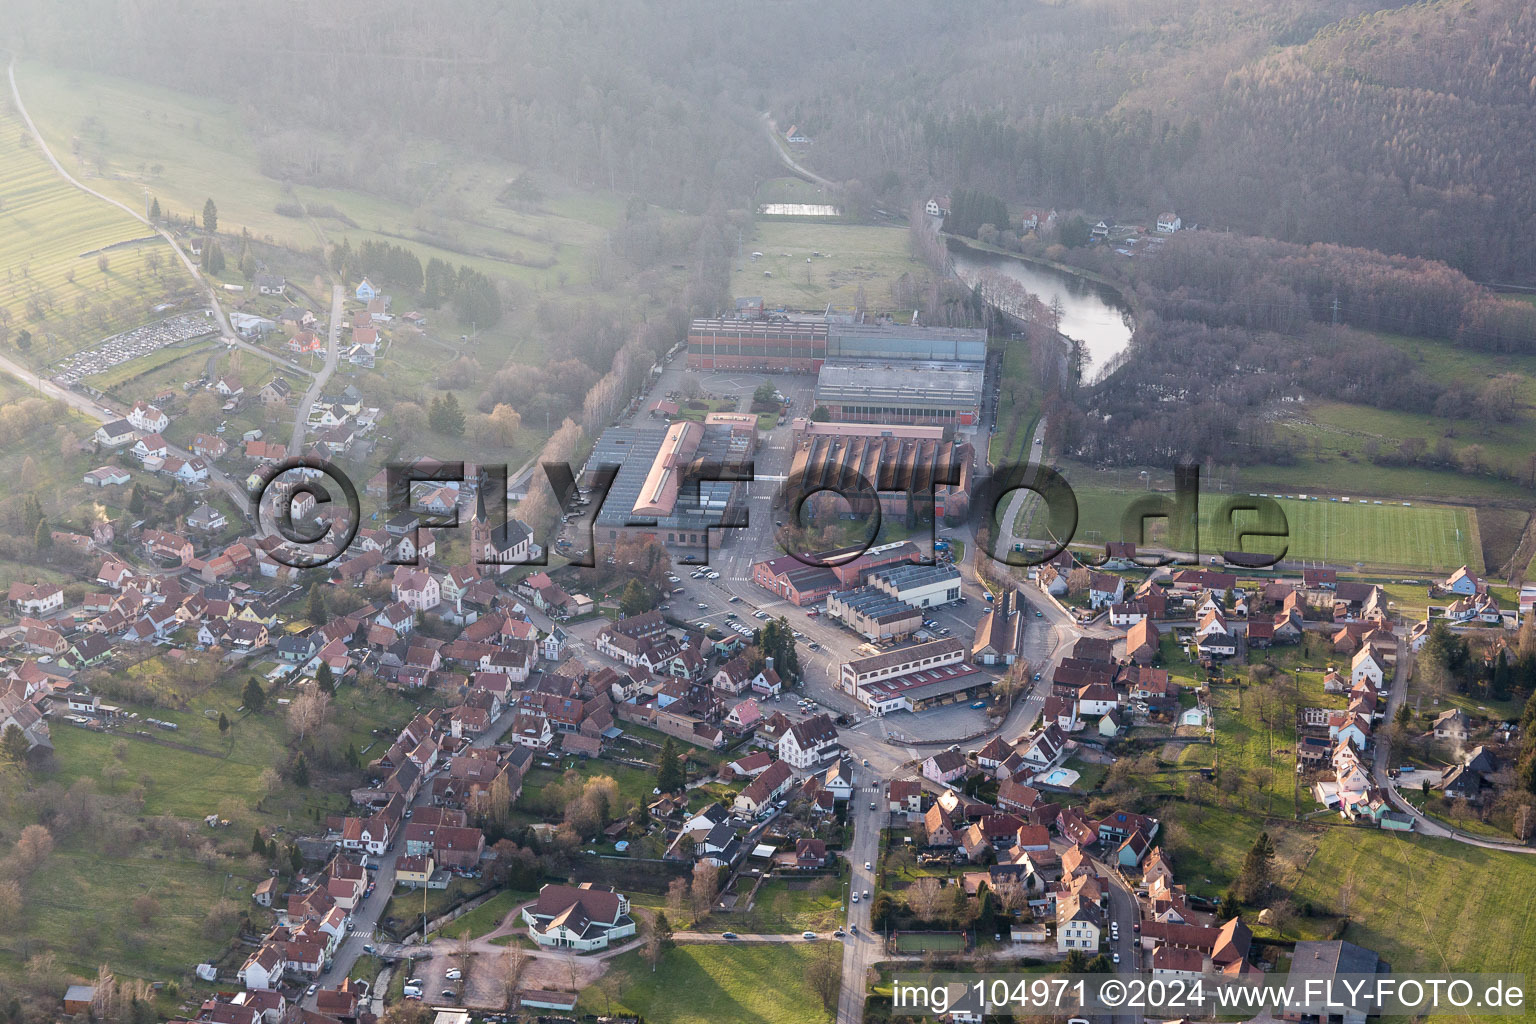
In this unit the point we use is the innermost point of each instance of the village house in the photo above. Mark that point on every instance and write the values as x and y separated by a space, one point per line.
582 918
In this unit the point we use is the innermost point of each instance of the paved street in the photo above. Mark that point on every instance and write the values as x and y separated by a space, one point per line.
316 386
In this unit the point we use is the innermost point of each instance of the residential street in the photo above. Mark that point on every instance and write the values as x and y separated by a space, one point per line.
1381 766
317 386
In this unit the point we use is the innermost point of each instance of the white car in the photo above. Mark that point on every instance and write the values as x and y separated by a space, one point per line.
454 975
868 866
855 897
713 576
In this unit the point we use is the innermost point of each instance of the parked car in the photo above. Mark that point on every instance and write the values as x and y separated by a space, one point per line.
807 935
454 975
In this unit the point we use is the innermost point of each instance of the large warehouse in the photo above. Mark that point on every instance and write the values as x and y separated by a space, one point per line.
800 343
794 346
651 496
857 342
803 585
914 678
946 394
922 586
874 614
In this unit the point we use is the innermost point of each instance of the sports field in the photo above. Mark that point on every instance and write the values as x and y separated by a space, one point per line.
1385 534
922 942
73 268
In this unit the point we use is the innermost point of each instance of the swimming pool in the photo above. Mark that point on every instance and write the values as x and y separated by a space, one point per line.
1063 777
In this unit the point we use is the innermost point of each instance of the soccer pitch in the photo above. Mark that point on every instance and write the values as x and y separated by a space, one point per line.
1389 534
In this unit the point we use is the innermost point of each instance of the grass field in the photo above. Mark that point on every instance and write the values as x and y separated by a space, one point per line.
785 906
1342 430
1018 407
716 984
81 901
1388 535
125 137
1429 904
853 257
485 918
53 239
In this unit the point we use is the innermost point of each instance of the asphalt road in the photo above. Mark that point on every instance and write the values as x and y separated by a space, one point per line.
316 386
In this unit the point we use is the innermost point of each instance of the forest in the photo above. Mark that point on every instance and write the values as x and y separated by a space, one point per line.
1401 130
1229 325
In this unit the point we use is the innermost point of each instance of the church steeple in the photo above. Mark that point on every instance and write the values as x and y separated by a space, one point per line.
480 484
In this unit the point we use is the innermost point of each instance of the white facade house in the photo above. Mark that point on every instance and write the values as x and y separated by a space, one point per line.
147 418
582 917
1078 924
1168 223
1366 666
808 743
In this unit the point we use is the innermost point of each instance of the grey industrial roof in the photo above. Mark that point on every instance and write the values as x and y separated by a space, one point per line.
633 451
875 604
906 577
935 384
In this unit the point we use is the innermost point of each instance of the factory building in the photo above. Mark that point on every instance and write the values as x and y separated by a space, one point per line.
921 586
943 394
874 614
896 460
799 343
651 496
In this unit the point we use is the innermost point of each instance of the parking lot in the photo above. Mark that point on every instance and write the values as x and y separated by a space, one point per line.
141 341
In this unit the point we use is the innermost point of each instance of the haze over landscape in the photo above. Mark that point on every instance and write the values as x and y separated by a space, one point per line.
699 511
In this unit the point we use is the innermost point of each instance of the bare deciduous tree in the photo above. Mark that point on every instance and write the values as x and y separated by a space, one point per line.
513 962
706 886
924 897
824 974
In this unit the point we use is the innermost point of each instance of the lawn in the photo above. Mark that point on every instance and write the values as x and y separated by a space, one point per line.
82 898
634 783
787 906
487 917
1342 429
854 259
407 905
716 984
1427 537
81 905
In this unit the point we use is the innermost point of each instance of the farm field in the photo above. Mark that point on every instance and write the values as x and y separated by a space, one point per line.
1417 537
75 269
1402 887
185 148
725 984
855 258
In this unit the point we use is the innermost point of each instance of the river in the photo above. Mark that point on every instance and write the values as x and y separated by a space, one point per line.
1091 313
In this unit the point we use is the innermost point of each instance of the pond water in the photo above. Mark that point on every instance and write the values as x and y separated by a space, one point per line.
1091 313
